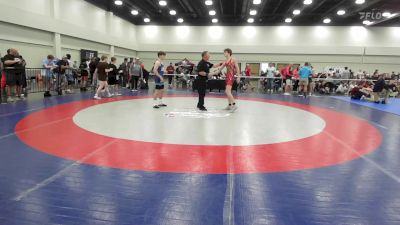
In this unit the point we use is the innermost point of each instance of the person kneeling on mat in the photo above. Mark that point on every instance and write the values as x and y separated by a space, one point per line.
380 87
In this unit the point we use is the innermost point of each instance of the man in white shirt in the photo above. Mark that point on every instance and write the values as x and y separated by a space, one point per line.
270 72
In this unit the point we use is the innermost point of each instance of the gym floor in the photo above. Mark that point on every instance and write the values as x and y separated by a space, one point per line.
276 160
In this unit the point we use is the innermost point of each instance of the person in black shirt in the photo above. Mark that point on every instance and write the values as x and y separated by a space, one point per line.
84 71
112 77
62 81
92 68
380 87
13 65
203 69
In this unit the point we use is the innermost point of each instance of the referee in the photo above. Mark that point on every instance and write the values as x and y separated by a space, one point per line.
203 69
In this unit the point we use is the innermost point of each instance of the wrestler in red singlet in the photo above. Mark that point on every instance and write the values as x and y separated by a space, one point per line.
230 72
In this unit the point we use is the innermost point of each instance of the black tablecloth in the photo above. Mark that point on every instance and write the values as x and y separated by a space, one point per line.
215 85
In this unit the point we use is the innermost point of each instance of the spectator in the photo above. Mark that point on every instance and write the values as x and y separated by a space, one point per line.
127 80
360 74
296 78
60 72
112 77
22 72
286 74
49 64
247 80
270 73
123 72
14 80
3 96
92 68
170 70
305 73
356 93
84 71
69 74
135 72
346 73
146 75
102 70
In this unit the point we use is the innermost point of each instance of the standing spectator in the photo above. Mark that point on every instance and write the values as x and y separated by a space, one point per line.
92 68
84 71
2 85
22 72
305 73
247 80
124 72
286 74
346 74
102 70
295 79
48 64
271 72
60 72
112 77
69 74
126 80
146 75
135 72
13 64
360 74
170 70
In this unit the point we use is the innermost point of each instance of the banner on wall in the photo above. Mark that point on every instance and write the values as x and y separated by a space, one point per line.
88 54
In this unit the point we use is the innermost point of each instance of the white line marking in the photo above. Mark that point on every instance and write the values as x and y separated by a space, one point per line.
383 170
229 198
32 128
14 113
60 173
377 124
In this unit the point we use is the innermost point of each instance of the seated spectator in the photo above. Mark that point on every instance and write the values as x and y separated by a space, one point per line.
342 88
356 93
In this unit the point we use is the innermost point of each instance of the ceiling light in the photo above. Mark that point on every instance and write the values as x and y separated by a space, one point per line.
359 2
180 20
209 2
256 2
146 20
172 12
253 12
250 20
327 20
212 13
118 2
214 20
387 14
162 3
341 12
288 20
307 2
296 12
367 22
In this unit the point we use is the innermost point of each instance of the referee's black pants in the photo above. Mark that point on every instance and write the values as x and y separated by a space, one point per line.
201 88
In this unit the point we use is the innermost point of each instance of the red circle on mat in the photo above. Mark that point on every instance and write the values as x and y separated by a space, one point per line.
53 131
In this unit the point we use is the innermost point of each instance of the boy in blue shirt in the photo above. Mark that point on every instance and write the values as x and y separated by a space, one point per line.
305 72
